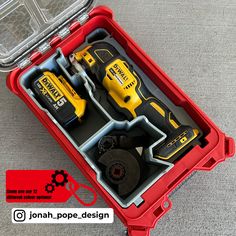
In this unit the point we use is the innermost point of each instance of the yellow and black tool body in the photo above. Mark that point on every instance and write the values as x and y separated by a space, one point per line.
59 98
130 96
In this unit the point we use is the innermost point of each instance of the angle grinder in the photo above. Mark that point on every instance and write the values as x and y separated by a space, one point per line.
121 170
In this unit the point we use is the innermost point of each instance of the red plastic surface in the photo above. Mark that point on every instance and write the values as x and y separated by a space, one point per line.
217 146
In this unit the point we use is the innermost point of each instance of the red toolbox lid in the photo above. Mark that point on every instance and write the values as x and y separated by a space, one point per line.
30 24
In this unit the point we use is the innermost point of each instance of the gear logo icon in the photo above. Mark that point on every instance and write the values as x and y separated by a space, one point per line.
49 188
60 178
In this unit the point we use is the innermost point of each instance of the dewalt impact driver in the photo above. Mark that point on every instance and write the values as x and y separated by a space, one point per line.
129 95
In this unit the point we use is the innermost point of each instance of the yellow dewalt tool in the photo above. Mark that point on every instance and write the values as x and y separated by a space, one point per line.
129 95
59 98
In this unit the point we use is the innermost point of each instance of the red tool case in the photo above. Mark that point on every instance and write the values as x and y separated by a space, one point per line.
216 146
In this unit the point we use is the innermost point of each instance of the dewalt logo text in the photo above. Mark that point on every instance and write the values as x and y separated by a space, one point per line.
51 88
121 73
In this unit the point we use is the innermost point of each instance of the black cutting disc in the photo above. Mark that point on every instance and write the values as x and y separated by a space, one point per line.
122 169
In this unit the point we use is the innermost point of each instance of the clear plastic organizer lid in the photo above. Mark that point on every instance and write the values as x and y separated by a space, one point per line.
25 24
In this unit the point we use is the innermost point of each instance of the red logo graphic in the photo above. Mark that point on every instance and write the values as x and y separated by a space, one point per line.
37 186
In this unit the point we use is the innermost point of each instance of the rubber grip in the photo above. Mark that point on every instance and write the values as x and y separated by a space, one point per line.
159 115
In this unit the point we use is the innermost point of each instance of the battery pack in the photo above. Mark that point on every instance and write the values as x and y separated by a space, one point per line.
59 98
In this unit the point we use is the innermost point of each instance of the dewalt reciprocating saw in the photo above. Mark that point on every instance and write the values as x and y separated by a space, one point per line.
129 95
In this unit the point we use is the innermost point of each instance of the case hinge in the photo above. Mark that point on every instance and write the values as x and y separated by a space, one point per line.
44 47
25 63
83 18
64 33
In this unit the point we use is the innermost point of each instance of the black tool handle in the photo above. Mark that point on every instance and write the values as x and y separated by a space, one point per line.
156 111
